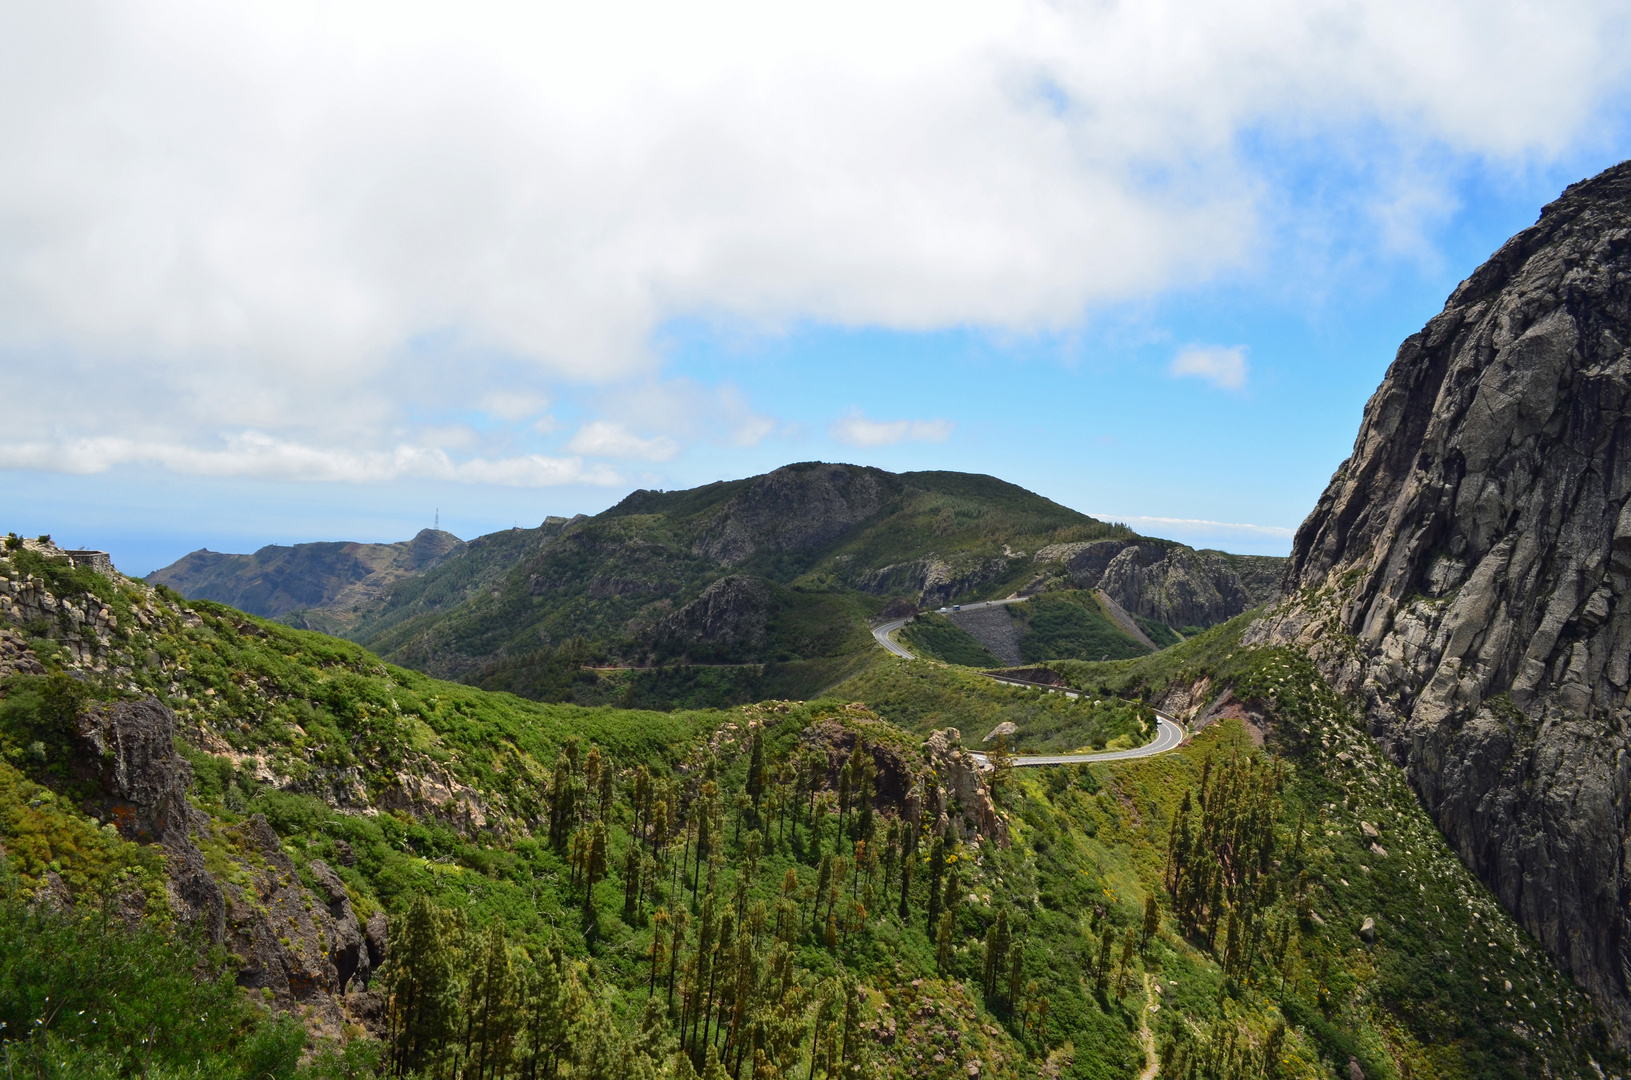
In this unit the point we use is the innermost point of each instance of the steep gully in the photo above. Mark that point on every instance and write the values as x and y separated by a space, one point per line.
1169 733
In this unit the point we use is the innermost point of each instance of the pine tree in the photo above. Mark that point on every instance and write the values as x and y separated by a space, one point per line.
547 1016
1128 944
1101 971
1152 918
562 812
595 865
592 770
937 867
1002 765
631 882
659 945
942 944
494 1006
420 985
1016 976
608 775
997 940
659 827
756 768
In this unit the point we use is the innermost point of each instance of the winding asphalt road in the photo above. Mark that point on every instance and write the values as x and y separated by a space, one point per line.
1169 734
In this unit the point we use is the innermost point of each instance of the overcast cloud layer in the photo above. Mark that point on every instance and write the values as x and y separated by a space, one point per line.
352 241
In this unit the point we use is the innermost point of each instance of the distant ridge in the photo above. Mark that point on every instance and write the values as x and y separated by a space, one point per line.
330 579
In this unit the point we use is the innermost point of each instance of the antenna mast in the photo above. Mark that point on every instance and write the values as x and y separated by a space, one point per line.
438 519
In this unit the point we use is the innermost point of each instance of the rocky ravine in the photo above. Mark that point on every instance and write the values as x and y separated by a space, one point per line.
1466 575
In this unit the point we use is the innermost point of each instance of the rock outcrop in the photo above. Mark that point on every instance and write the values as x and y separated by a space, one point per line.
304 946
795 508
731 614
935 580
1466 575
960 796
144 785
1175 585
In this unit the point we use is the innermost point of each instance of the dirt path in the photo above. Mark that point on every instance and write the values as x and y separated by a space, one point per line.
1152 1064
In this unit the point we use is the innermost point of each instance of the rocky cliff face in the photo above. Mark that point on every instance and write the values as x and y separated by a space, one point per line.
732 613
1175 585
306 948
795 508
1466 574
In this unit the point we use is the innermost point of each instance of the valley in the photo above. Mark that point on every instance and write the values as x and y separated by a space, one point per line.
415 875
837 772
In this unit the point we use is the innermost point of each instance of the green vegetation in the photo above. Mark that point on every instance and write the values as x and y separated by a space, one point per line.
85 997
518 609
935 637
763 892
1071 626
1160 633
922 696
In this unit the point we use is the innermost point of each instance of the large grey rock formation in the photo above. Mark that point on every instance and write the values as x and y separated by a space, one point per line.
144 794
1173 584
1466 575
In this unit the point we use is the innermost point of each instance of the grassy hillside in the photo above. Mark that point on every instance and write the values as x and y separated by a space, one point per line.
935 637
757 892
1073 626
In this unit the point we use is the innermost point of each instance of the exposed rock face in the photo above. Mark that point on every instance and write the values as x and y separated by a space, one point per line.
942 783
145 783
1175 585
16 657
794 508
992 627
734 612
1466 575
302 946
935 580
961 795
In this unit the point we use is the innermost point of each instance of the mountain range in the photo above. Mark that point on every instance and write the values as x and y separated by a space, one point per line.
1393 841
783 569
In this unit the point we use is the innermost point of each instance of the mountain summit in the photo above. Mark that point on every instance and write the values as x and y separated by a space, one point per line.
1466 575
783 568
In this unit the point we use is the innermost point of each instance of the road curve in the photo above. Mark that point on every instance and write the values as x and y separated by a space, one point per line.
882 631
1169 734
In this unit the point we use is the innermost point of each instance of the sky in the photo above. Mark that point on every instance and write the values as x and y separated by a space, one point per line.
277 272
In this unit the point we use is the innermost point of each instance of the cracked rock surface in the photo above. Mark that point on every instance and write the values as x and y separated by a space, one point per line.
1466 576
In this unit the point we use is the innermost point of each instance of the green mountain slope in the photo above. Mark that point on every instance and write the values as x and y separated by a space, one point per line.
789 889
776 575
824 537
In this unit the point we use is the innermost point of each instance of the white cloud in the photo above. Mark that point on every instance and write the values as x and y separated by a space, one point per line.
689 411
1218 365
255 454
856 430
1199 524
300 216
513 405
603 438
